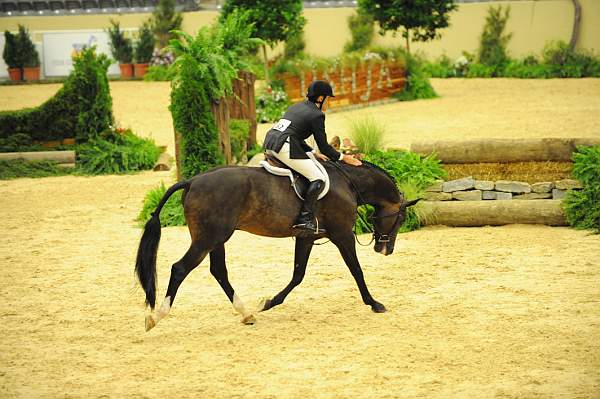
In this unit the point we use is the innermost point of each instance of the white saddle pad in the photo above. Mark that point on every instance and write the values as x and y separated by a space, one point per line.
287 172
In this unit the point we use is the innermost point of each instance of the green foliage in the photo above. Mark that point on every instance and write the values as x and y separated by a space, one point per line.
239 130
566 63
21 168
82 108
164 20
413 174
362 29
145 45
170 215
417 82
525 69
117 153
480 71
582 208
367 133
294 45
441 68
255 149
493 41
19 142
28 53
121 47
271 105
159 73
11 55
419 19
273 20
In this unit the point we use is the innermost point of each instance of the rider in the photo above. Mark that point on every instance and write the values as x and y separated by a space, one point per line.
285 141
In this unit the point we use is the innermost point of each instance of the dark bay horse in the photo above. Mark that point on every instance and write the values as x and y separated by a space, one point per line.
225 199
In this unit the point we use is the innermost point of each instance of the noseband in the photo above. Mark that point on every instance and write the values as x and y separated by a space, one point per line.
383 238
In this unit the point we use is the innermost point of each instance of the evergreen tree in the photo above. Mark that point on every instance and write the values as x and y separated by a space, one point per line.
493 41
164 20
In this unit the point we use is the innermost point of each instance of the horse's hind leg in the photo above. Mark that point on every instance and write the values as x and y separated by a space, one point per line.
301 254
219 270
192 258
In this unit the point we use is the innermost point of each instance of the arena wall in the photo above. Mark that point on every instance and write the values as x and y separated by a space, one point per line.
532 23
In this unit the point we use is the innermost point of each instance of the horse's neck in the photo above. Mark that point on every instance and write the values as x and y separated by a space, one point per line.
373 186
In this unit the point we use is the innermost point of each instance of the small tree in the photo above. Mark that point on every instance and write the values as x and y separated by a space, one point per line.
11 51
493 41
29 55
120 46
294 45
145 45
419 19
164 20
274 20
362 29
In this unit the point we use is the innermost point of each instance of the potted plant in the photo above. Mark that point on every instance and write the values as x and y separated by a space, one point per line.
143 50
11 56
30 56
121 49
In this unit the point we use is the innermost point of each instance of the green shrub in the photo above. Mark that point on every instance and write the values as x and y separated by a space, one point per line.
19 142
413 174
20 168
480 71
294 45
493 41
239 131
117 153
582 208
144 48
362 29
82 108
367 134
159 73
121 47
170 215
567 63
10 54
27 50
441 68
417 83
526 69
271 105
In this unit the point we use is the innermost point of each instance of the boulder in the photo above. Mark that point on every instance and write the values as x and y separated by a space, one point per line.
516 187
433 196
531 196
542 187
567 184
496 195
465 183
558 194
435 187
484 185
471 195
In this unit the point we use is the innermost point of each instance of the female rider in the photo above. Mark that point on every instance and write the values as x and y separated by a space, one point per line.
285 141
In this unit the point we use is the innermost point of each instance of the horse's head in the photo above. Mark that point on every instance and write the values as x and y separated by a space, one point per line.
386 222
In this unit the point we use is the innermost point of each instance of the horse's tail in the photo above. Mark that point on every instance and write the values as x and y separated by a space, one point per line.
145 264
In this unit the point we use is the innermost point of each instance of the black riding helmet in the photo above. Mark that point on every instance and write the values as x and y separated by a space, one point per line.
319 88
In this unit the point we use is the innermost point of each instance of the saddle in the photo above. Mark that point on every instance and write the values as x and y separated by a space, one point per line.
298 182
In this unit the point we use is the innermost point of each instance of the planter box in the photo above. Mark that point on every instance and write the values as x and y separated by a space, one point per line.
31 74
15 74
140 70
126 71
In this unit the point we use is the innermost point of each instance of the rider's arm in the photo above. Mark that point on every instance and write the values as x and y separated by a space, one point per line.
320 136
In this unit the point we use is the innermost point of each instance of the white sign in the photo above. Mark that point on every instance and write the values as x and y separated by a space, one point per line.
60 47
3 66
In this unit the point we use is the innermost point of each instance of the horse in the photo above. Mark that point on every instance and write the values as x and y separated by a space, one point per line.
225 199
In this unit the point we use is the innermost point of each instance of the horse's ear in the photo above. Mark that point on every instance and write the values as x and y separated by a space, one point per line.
410 203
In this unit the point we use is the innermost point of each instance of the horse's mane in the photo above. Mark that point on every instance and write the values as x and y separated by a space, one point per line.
385 172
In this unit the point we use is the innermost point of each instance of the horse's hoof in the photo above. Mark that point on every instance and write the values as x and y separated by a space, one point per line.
378 308
249 320
150 323
264 304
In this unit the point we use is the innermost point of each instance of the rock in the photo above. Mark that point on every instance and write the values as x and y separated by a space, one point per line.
484 185
466 183
435 187
503 196
433 196
255 161
558 194
471 195
567 184
531 196
543 187
517 187
496 195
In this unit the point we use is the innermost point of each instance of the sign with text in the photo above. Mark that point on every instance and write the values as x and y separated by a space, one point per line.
60 47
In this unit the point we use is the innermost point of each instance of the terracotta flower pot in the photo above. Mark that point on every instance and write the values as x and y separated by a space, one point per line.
140 70
31 73
126 71
15 74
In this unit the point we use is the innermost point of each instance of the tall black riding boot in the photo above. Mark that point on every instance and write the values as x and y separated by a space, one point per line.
306 220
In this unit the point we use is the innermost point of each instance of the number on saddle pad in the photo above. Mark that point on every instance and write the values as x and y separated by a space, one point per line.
282 124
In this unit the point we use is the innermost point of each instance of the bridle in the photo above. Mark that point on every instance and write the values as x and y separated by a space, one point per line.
380 238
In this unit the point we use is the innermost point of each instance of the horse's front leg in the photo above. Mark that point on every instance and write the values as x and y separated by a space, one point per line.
302 252
347 248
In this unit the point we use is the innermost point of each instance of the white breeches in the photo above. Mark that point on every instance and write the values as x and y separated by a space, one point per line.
306 167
